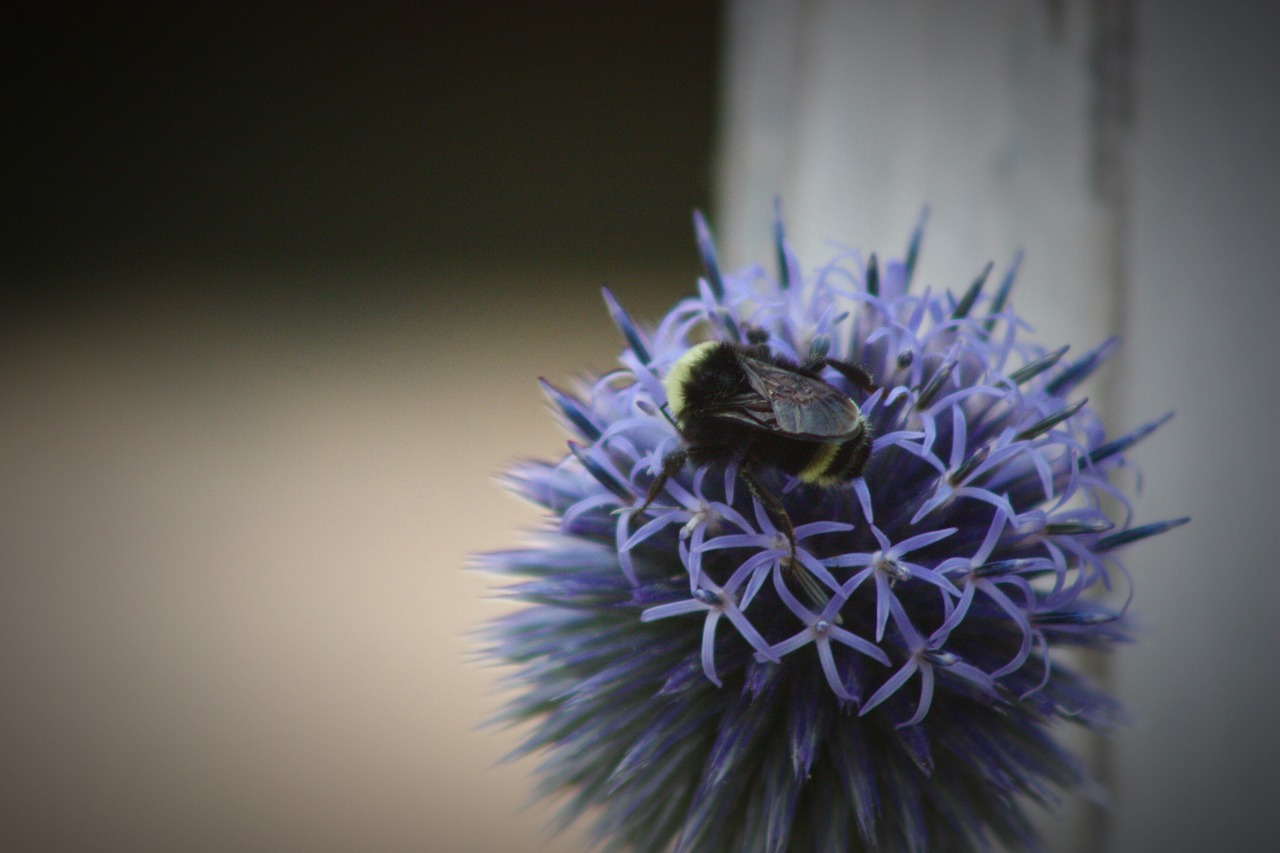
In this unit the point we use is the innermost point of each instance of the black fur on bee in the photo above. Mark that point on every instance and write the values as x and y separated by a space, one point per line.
743 403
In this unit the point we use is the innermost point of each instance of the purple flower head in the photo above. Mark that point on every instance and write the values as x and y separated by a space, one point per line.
893 688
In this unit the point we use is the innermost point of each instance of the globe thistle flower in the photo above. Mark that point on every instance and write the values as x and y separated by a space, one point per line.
895 688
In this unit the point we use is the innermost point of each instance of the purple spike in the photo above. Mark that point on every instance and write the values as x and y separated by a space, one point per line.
1123 443
786 259
707 249
628 328
1002 293
601 476
965 305
1080 370
1035 368
573 411
1133 534
913 247
1044 425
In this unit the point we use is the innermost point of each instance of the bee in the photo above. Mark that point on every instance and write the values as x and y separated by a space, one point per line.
743 403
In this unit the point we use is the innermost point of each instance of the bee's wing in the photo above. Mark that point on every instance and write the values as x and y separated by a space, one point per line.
802 405
749 408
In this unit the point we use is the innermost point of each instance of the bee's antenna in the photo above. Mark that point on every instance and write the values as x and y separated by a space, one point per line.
666 413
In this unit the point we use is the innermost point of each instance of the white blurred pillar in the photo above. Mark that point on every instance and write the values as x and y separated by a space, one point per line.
859 114
1131 151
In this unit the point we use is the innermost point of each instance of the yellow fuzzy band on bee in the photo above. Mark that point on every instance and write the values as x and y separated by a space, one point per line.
823 455
674 383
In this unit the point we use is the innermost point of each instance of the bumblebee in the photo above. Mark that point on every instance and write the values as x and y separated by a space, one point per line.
742 403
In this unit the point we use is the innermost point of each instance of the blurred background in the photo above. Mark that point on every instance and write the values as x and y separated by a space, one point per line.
278 285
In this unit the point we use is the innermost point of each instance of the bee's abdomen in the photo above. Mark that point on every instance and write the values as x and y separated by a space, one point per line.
833 464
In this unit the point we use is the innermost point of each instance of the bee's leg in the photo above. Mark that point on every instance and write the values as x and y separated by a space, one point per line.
852 372
773 506
778 514
672 463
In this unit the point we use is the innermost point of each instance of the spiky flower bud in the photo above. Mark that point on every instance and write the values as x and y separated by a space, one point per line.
684 685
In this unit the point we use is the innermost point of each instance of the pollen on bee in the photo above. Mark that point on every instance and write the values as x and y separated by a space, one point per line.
817 468
679 374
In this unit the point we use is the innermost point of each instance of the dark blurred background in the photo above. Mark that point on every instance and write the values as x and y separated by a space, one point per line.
320 142
278 285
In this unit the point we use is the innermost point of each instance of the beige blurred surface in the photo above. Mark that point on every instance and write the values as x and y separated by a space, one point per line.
234 612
